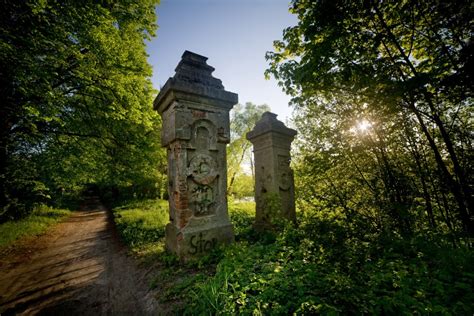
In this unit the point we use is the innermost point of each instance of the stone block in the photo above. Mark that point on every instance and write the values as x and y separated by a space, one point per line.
274 182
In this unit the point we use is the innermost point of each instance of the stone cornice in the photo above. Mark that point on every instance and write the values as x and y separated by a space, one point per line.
269 123
193 79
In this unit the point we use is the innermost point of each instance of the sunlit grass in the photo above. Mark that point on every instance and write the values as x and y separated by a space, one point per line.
242 207
292 272
242 216
141 225
34 224
150 252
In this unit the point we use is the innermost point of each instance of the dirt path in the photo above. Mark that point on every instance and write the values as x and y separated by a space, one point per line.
78 268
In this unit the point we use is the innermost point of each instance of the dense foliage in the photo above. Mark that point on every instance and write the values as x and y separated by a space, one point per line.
76 100
383 95
327 266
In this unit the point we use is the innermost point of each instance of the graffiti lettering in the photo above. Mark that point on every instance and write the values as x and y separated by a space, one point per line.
200 245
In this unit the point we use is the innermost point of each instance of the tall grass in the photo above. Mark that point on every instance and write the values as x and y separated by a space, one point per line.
143 222
141 225
36 223
242 216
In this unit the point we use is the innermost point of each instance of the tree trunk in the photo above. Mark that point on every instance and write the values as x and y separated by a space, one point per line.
459 185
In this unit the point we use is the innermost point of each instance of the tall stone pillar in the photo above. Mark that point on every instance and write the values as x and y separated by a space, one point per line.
274 183
195 111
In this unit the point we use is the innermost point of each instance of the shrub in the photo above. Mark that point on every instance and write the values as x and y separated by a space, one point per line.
323 267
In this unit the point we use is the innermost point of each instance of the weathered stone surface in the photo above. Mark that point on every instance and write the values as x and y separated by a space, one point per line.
274 183
195 110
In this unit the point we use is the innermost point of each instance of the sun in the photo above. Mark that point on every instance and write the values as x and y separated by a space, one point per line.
363 126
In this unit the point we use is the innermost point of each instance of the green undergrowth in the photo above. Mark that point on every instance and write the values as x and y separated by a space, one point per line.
141 225
328 265
242 215
177 282
34 224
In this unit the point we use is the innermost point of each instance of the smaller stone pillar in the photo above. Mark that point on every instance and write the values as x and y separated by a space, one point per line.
274 183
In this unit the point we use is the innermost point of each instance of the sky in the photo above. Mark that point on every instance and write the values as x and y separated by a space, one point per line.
233 34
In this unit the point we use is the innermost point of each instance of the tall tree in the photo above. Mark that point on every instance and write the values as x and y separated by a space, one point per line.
404 61
243 119
75 93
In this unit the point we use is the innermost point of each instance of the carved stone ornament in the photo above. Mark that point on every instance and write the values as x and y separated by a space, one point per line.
202 168
285 178
202 197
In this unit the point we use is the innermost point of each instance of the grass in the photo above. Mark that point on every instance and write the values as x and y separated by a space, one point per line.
242 216
141 225
247 209
35 224
318 268
325 266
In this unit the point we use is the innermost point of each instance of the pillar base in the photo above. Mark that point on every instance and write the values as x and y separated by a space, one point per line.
190 243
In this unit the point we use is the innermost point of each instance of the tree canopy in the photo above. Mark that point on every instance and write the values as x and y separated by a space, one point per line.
76 99
383 94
